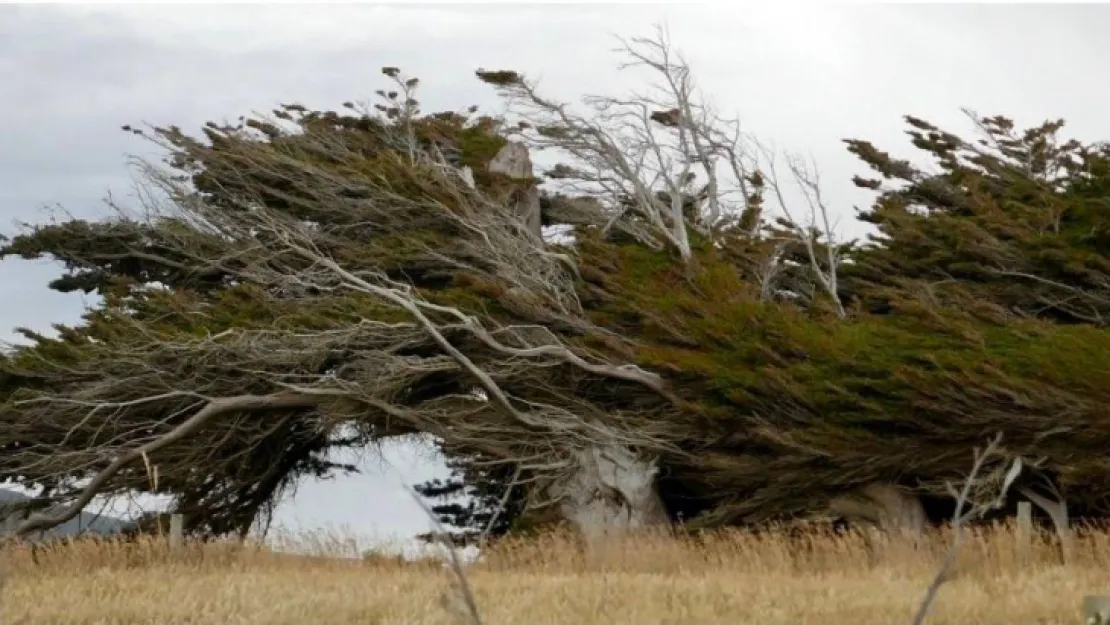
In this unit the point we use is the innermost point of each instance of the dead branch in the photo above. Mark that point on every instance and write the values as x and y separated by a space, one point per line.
816 225
213 409
640 154
961 516
462 583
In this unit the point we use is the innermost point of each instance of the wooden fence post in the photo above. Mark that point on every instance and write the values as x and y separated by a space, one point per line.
177 532
1025 528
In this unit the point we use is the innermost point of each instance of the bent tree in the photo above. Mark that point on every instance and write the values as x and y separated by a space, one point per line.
379 272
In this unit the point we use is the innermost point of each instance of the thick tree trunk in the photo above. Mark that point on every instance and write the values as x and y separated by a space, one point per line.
514 161
612 490
887 507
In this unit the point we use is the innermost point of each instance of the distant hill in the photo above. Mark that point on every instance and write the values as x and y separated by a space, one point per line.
86 522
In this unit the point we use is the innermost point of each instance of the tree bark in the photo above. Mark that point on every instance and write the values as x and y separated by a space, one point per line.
611 491
514 161
896 513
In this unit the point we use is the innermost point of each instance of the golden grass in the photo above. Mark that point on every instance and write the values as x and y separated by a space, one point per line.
731 577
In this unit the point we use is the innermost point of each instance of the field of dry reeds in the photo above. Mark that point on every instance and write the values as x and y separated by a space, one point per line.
734 578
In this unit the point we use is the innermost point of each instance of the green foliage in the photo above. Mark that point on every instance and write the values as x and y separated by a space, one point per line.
789 404
1014 224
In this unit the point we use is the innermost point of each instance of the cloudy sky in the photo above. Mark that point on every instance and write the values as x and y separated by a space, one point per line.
801 77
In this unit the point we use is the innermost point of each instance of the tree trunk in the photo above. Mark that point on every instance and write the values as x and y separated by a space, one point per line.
1058 512
610 488
896 513
513 161
611 491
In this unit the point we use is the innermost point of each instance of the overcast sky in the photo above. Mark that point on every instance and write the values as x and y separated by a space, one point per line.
802 77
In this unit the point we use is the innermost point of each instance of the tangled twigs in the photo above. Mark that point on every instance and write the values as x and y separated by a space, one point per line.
215 408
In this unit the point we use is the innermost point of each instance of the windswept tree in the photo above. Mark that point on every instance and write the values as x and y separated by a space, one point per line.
849 378
330 273
696 343
1009 226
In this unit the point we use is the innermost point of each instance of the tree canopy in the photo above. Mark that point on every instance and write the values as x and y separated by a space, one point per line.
312 280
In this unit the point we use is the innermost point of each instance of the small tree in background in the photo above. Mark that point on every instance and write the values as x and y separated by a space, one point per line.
480 502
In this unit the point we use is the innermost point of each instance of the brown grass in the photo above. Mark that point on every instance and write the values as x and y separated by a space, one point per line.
732 578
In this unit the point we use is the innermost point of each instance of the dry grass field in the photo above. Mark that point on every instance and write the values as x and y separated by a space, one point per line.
732 578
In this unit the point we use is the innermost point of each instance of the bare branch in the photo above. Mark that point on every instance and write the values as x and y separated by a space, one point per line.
215 408
962 516
463 584
640 154
816 225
